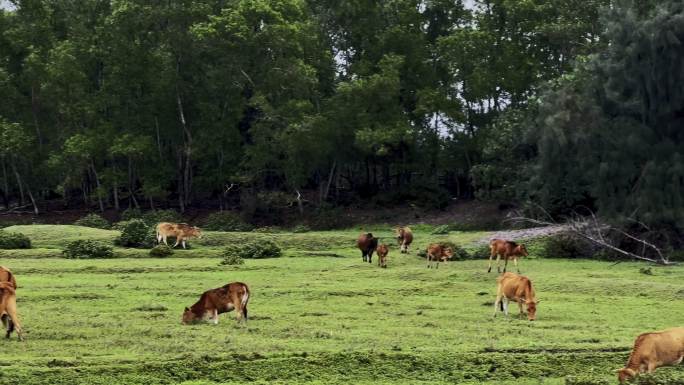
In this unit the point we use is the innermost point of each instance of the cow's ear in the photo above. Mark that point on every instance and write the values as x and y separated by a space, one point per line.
186 309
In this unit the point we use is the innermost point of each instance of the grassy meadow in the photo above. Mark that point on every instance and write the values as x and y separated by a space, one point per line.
319 315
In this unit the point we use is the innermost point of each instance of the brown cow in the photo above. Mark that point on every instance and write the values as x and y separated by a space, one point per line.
367 243
8 309
514 287
382 251
181 231
6 276
437 253
507 250
404 238
653 350
213 302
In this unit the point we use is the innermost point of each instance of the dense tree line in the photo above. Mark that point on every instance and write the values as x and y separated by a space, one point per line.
148 103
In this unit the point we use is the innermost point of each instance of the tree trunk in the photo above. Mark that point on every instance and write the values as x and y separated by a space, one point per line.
330 179
34 112
97 183
22 199
33 201
156 125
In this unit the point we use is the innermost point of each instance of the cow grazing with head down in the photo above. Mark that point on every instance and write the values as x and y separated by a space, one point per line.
438 253
653 350
404 238
382 251
507 250
233 296
367 243
514 287
8 303
181 231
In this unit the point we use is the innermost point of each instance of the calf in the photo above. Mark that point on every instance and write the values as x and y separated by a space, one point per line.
404 238
382 251
8 309
514 287
6 276
653 350
437 253
221 300
181 231
367 243
507 250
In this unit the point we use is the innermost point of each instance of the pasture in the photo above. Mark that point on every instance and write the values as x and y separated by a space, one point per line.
318 315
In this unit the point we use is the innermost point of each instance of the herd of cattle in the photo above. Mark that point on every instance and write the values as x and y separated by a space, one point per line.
650 351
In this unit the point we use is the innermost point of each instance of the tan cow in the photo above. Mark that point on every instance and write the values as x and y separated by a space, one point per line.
514 287
8 309
437 253
382 251
653 350
213 302
6 276
404 238
507 250
181 231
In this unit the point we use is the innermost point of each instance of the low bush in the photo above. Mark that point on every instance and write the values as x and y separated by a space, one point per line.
156 216
253 250
84 249
10 240
231 258
226 221
481 252
93 220
441 230
136 233
131 213
566 245
301 229
161 251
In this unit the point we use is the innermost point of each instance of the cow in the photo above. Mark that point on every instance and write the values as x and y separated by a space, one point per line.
382 251
181 231
507 250
437 253
8 310
653 350
367 243
6 276
514 287
404 238
213 302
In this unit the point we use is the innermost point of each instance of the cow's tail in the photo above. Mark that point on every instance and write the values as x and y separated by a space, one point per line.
501 305
244 300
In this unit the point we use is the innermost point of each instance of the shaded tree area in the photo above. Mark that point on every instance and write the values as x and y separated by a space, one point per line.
240 104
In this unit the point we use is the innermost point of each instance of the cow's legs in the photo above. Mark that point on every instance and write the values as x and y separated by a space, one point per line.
520 305
177 242
183 243
496 304
505 306
491 256
14 320
370 256
214 316
515 262
428 261
164 239
505 264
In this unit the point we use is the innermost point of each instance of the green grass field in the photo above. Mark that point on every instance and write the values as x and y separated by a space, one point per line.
319 315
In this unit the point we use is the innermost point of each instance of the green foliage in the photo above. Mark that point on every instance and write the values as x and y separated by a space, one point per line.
85 249
327 217
136 233
301 228
161 251
12 240
156 216
253 250
93 220
441 230
131 213
226 221
566 245
231 257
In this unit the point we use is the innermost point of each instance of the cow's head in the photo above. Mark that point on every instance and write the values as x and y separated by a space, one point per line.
189 317
625 374
521 249
532 310
382 250
447 253
195 231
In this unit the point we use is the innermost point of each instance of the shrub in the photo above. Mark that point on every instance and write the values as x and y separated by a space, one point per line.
459 252
136 233
9 240
441 230
161 251
266 229
93 220
231 258
301 229
253 250
566 245
226 221
481 252
131 213
85 248
154 217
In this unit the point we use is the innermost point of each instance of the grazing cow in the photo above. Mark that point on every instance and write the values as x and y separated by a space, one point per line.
507 250
653 350
367 243
437 253
213 302
514 287
6 276
382 251
8 309
181 231
404 238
